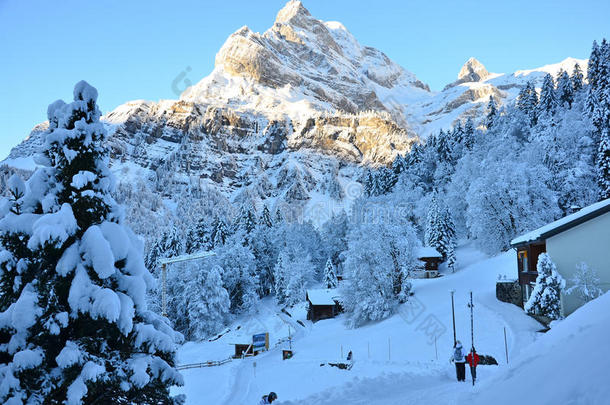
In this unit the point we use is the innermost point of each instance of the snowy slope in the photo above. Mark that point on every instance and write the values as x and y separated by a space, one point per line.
469 94
410 369
568 365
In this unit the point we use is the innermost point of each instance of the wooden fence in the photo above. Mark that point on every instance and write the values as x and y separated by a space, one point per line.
204 364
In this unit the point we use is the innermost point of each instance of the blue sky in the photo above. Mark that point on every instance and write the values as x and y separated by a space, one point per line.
136 49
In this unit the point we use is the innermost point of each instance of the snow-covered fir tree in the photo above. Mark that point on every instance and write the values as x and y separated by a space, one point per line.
449 238
220 233
546 296
565 90
440 231
577 78
432 235
469 133
265 218
198 236
169 244
532 109
209 307
603 164
593 73
74 321
279 217
598 92
527 102
247 220
280 272
399 165
330 276
548 99
492 113
379 182
585 284
598 105
522 101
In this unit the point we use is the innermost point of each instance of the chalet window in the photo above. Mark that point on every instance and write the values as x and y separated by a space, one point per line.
522 257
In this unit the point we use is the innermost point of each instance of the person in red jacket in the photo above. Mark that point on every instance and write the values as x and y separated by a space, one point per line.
473 361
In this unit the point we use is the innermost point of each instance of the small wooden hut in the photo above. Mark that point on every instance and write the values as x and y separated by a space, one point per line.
323 304
431 259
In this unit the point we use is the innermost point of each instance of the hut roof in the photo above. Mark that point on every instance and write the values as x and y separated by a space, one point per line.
327 296
428 251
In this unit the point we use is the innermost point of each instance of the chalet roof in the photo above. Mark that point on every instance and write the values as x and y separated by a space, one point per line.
563 224
323 296
428 251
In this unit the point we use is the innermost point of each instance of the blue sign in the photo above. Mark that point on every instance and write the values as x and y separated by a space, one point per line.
259 342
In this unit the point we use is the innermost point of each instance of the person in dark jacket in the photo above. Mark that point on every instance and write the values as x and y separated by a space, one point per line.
268 399
459 360
473 361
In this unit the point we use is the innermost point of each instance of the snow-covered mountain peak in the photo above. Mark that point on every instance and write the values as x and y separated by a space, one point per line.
293 11
566 65
472 71
302 65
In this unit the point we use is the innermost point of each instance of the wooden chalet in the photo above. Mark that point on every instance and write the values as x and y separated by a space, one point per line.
323 304
430 259
583 236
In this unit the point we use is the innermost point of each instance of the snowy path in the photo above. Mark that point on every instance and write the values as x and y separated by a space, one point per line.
395 360
243 379
435 383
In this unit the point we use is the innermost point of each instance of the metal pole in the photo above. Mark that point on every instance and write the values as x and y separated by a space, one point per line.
505 345
176 259
471 321
164 292
389 350
472 336
453 315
